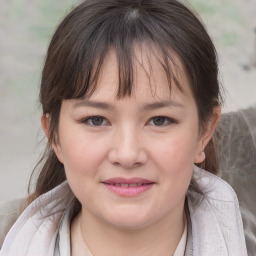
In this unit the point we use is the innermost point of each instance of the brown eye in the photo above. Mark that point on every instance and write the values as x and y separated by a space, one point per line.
159 120
95 121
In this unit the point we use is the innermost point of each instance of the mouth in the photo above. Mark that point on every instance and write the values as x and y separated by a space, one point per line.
128 187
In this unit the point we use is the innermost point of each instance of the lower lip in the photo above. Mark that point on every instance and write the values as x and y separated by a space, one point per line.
129 191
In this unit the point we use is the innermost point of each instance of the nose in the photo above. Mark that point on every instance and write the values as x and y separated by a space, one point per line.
127 149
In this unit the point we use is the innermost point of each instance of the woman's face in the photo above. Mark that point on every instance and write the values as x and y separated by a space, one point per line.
130 161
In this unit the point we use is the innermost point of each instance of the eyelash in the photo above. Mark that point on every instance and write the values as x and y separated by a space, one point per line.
167 121
89 121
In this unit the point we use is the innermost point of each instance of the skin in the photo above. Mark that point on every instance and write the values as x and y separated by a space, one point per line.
129 141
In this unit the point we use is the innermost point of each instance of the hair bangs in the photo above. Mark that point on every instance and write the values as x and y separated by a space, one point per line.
127 37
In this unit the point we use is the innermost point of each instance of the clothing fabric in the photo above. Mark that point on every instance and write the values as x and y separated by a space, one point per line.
235 139
214 224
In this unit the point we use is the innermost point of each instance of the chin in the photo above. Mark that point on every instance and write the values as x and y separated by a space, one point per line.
129 220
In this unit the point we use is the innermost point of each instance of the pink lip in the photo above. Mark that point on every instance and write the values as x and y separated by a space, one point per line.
122 180
126 187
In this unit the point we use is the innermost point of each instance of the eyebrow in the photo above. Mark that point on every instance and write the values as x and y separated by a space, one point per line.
94 104
162 104
146 107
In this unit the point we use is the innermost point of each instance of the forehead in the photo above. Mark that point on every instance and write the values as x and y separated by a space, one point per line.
150 80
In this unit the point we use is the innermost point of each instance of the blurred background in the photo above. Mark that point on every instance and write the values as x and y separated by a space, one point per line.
25 30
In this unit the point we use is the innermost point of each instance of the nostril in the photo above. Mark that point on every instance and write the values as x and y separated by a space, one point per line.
127 159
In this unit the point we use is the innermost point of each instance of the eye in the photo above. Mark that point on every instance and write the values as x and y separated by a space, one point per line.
161 121
95 121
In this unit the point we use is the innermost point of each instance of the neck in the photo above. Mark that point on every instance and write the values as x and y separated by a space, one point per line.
160 238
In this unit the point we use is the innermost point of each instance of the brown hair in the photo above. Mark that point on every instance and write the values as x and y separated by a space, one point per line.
82 41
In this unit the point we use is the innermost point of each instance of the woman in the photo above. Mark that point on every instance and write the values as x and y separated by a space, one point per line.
130 100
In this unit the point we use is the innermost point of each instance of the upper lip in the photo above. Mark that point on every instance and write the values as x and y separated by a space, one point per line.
121 180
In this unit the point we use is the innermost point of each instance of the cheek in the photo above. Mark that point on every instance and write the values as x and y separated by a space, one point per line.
81 153
177 149
175 156
82 159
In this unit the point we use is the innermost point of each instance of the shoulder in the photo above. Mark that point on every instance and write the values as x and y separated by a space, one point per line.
218 199
215 217
213 187
9 213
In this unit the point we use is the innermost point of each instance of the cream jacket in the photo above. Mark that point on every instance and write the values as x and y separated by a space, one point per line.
43 229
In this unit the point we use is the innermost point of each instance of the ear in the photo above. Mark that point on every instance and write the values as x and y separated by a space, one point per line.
45 122
206 135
